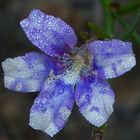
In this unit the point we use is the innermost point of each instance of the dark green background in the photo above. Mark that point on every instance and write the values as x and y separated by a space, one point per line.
124 124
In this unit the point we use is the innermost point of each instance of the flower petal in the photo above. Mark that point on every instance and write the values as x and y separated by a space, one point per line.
26 73
51 35
112 57
95 99
52 107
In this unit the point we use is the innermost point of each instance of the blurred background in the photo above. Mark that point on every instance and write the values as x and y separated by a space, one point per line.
124 123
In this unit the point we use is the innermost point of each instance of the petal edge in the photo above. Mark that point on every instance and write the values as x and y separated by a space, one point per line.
95 99
26 73
52 107
51 35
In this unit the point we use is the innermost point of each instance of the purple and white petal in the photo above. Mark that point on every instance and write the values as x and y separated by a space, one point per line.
26 73
50 34
52 107
112 57
95 99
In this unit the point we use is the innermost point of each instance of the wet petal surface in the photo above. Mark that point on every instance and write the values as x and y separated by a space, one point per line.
95 99
52 107
26 73
51 35
112 57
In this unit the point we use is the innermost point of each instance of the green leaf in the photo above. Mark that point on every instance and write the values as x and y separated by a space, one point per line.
105 3
99 34
128 8
85 36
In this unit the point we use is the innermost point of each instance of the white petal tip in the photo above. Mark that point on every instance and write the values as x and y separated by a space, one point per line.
41 122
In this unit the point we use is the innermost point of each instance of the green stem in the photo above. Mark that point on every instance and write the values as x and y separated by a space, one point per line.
108 17
133 26
134 34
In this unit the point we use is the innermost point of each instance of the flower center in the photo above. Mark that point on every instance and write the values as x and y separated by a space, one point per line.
72 74
78 60
81 55
73 64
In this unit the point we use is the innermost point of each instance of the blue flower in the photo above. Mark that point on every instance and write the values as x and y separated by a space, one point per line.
65 73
